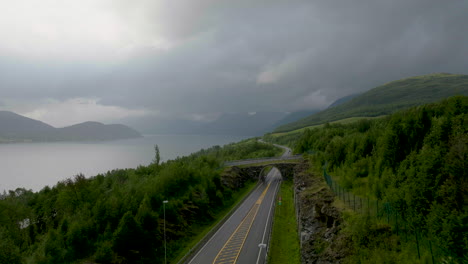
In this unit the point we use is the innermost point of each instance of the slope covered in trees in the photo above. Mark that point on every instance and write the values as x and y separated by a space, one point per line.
416 160
117 217
390 97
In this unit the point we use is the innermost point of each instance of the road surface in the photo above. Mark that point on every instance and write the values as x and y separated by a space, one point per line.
261 160
287 154
287 151
238 240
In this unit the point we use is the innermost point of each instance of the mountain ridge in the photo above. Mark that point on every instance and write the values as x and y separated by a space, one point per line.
239 124
18 128
388 98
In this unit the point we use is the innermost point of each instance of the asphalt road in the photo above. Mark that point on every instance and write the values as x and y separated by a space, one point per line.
287 154
237 241
261 160
287 151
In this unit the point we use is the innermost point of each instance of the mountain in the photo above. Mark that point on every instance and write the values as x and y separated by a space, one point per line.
17 128
388 98
14 127
343 100
238 124
243 124
90 131
294 116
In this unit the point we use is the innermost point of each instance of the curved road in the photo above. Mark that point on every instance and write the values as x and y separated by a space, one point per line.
287 155
287 151
238 239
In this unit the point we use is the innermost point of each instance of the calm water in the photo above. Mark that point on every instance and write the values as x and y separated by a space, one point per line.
35 165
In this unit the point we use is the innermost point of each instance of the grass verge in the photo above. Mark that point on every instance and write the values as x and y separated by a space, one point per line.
201 231
342 121
284 245
272 163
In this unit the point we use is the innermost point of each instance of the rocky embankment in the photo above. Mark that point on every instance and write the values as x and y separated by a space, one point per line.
319 220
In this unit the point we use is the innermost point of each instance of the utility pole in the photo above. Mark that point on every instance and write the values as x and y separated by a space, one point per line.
165 244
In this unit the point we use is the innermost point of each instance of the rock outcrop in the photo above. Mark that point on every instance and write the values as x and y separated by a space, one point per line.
319 220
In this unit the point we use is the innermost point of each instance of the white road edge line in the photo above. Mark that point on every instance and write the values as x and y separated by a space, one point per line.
194 257
268 218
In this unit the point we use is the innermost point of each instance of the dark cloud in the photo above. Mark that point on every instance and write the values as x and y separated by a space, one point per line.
230 56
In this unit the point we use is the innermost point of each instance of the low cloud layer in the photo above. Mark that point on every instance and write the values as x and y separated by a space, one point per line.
201 58
76 110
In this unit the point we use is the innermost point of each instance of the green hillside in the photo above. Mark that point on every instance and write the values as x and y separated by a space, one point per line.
119 217
390 97
410 169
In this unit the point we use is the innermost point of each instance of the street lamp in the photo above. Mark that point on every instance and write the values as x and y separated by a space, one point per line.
262 245
165 245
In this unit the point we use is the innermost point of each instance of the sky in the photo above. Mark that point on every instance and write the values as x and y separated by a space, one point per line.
67 61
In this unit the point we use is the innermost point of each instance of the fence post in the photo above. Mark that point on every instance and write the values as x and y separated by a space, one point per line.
377 212
432 254
341 194
354 202
339 190
406 231
368 206
417 243
396 222
344 195
360 203
388 213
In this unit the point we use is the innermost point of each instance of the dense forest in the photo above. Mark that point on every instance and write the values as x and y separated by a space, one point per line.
117 217
415 160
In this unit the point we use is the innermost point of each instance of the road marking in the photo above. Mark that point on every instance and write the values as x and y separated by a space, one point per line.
266 224
231 250
225 223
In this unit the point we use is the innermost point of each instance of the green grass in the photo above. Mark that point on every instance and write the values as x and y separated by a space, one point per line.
388 98
284 245
201 231
272 163
342 121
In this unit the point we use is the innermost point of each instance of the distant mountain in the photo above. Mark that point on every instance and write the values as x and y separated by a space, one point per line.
239 124
388 98
17 128
243 124
343 100
90 131
294 116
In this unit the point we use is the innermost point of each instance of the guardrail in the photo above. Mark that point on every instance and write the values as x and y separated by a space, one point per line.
259 160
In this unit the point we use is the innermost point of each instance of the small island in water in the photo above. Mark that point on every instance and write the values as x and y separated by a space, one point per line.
18 128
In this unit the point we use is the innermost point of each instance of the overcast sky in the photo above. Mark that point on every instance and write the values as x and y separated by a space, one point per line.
68 61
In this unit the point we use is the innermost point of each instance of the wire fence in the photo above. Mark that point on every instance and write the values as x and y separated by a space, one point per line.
427 251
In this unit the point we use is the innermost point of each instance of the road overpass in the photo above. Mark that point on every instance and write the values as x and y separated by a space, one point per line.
244 236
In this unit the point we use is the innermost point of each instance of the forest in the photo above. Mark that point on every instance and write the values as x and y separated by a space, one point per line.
416 160
117 217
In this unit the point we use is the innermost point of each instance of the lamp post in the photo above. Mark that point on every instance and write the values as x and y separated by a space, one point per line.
165 246
262 245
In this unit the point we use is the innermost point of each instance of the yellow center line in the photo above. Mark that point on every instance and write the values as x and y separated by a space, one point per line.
231 250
